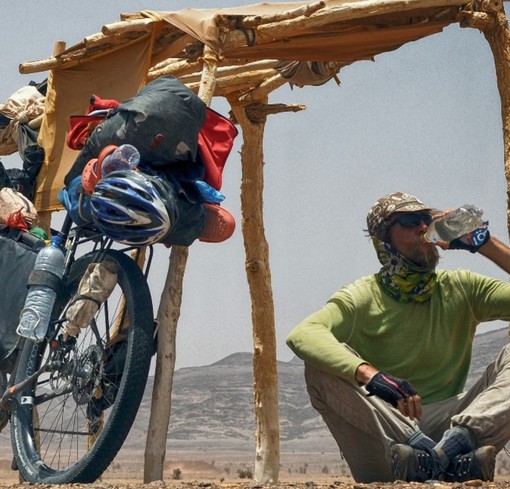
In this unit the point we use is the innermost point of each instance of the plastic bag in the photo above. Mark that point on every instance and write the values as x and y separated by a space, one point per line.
95 287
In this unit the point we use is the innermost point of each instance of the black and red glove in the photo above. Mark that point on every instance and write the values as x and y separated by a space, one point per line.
389 388
471 241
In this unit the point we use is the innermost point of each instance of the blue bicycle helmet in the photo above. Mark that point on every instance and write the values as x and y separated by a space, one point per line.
127 206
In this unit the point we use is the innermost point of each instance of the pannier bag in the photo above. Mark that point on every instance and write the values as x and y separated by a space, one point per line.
16 263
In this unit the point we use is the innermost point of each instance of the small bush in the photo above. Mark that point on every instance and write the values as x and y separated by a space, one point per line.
245 474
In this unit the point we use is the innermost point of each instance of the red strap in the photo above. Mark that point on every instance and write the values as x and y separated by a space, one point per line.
81 127
98 103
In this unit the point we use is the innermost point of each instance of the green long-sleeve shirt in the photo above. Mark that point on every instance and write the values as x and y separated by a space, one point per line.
428 344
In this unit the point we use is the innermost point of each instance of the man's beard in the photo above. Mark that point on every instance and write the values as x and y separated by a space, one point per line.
424 256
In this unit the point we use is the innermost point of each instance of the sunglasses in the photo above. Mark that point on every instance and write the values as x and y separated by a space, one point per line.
412 220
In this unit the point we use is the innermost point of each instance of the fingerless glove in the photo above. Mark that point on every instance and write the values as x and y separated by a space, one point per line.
389 388
471 241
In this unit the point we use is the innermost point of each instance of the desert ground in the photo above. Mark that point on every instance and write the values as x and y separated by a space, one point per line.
228 470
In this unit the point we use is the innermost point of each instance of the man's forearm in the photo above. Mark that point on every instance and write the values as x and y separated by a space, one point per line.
364 373
498 252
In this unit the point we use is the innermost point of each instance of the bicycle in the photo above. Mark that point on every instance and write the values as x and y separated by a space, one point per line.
73 400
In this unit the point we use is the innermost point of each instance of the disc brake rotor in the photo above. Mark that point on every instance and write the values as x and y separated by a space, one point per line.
88 374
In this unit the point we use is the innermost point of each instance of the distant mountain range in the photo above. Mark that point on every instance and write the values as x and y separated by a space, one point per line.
212 405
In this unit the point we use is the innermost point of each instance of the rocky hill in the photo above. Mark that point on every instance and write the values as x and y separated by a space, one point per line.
212 424
212 405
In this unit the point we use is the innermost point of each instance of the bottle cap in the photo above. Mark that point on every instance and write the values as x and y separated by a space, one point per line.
125 157
56 241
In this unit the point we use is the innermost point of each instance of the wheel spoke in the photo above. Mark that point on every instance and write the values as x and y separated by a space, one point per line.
90 388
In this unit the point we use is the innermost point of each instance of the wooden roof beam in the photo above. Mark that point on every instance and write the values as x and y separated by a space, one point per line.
226 72
264 89
137 25
247 80
100 41
89 46
173 48
340 13
177 68
50 63
256 20
258 112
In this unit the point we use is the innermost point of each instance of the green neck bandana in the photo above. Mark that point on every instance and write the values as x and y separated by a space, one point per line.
401 278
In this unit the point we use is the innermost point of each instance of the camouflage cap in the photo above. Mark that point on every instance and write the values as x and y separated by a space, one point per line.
382 209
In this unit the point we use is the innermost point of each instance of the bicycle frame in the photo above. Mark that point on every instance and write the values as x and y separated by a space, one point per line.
73 237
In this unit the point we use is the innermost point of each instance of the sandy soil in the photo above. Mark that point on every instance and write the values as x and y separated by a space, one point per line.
198 484
205 470
200 476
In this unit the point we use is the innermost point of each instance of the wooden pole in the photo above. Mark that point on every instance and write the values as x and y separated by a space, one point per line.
343 12
499 41
45 216
267 457
167 318
493 22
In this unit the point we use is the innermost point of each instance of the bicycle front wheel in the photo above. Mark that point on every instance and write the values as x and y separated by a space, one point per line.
68 425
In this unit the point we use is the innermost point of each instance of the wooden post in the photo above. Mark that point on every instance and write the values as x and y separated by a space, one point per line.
493 22
45 216
167 318
267 459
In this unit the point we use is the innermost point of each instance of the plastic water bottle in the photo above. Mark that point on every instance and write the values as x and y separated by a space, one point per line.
455 224
125 157
35 315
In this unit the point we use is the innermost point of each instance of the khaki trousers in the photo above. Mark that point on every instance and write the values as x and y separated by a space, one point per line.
365 428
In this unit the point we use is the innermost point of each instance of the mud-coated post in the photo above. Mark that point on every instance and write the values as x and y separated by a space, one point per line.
167 318
265 377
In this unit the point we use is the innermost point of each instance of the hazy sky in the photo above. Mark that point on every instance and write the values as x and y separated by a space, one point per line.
424 119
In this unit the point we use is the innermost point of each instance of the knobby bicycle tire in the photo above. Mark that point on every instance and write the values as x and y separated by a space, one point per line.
87 394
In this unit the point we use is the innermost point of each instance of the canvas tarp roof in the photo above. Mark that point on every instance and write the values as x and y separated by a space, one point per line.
69 91
341 42
124 56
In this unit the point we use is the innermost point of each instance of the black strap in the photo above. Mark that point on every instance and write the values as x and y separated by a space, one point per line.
79 297
45 278
28 240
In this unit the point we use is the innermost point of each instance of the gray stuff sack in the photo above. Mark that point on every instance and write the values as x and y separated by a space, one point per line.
161 121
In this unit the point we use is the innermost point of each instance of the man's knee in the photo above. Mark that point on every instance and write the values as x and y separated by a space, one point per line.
501 363
331 393
505 353
319 381
314 379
